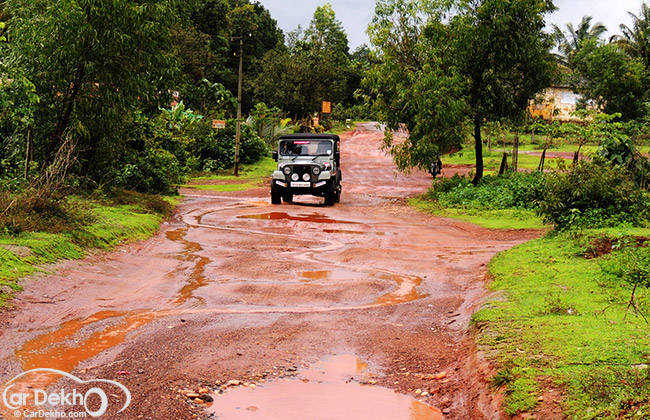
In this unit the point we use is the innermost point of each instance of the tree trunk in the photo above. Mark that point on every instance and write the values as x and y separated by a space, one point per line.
504 164
540 168
532 138
515 153
478 146
28 152
64 117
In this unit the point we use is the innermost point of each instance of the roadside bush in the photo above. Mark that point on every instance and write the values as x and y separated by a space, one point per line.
594 195
513 190
216 150
158 171
28 211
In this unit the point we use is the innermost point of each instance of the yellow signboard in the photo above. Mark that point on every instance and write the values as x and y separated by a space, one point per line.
327 107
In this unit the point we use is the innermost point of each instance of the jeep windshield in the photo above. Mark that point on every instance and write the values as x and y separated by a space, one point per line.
311 147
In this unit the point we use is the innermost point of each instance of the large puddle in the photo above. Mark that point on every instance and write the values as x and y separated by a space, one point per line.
330 390
312 218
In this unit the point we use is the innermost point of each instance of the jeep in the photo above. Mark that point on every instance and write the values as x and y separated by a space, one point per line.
308 164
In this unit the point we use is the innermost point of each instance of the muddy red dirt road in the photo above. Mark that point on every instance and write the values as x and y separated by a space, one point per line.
235 289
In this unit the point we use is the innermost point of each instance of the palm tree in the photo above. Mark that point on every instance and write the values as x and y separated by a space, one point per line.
636 39
571 41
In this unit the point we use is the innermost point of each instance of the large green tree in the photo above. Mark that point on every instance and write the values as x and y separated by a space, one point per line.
449 64
313 67
209 48
570 40
614 81
503 51
636 38
414 83
92 63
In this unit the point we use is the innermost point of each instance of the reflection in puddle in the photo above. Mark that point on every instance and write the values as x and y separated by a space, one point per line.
322 392
197 277
316 275
313 218
60 350
346 232
406 290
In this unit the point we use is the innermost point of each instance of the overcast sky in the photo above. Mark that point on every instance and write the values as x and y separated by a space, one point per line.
356 14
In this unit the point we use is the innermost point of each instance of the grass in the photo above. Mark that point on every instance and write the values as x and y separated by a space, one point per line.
104 226
559 322
491 219
492 159
249 177
341 127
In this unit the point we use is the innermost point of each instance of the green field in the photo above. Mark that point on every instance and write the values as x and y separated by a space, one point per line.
558 322
491 219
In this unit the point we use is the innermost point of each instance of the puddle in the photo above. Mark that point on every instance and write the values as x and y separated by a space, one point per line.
196 277
313 218
316 275
345 232
326 391
60 350
406 290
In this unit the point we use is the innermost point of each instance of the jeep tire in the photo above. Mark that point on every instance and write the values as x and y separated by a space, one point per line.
287 197
331 194
276 196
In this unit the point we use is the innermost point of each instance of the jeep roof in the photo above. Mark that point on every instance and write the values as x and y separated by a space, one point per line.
310 136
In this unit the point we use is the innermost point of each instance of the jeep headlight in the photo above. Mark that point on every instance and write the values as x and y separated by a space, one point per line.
316 170
306 177
286 170
295 177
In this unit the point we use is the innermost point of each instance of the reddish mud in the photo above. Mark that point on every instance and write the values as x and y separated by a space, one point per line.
233 288
328 390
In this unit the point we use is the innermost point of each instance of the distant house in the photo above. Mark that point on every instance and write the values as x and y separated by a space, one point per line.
557 103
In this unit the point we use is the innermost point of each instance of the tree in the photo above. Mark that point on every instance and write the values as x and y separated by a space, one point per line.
92 62
570 42
484 65
326 32
503 51
636 39
313 67
414 83
606 75
207 51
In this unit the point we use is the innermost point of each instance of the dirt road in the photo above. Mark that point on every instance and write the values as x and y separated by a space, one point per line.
233 288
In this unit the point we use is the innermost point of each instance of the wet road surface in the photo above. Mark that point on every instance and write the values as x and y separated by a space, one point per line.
235 289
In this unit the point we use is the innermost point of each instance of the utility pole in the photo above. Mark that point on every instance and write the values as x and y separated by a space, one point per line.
238 136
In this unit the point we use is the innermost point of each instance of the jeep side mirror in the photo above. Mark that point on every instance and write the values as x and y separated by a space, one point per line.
275 155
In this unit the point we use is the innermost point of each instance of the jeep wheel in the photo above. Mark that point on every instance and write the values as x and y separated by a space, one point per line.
330 195
287 197
276 197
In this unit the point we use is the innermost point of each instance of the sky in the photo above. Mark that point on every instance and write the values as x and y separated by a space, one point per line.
356 14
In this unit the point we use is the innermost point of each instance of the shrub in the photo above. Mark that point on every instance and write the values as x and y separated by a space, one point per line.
593 195
158 171
513 190
216 150
29 211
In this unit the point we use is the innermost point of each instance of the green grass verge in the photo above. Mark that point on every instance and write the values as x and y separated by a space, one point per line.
341 127
492 159
221 187
491 219
108 226
559 322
